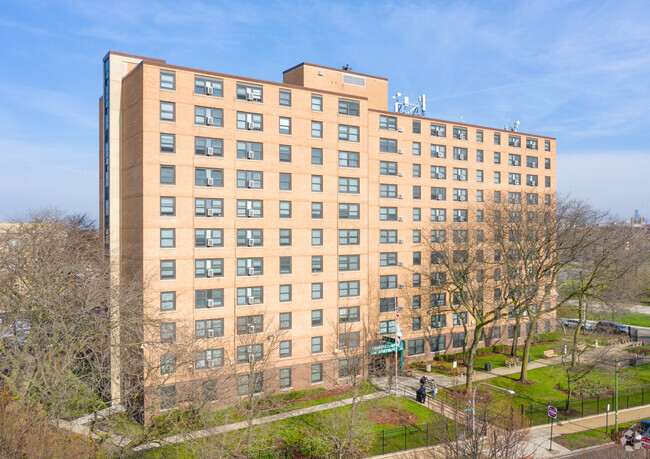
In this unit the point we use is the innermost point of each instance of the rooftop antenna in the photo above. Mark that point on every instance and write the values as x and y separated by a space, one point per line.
461 118
514 126
406 107
346 67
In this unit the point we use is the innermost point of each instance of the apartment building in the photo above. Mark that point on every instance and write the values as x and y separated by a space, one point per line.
255 206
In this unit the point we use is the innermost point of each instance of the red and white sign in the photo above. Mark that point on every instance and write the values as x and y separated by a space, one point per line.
552 412
645 442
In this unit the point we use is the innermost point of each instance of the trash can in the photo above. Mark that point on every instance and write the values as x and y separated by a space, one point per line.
488 366
427 367
529 359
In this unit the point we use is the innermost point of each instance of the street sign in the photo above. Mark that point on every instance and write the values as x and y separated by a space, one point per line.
645 442
552 412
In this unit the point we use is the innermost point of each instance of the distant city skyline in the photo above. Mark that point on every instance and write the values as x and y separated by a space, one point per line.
575 71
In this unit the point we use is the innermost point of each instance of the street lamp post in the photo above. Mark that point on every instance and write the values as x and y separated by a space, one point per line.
509 391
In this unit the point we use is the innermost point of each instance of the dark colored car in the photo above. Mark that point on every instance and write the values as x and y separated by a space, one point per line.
607 326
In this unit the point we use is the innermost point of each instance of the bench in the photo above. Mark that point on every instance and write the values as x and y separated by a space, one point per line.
512 362
548 354
582 347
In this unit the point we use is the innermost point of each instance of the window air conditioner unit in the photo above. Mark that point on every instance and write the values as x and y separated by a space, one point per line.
400 129
209 181
251 183
210 333
400 286
461 157
251 300
210 363
210 151
208 90
251 213
250 242
210 212
400 174
250 125
438 324
249 96
401 219
401 263
400 151
441 218
401 196
440 175
401 241
251 271
210 303
209 242
251 154
209 120
439 197
209 272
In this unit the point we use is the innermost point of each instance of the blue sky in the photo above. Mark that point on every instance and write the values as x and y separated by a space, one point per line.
575 70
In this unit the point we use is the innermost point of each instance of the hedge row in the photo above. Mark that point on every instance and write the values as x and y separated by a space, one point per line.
482 350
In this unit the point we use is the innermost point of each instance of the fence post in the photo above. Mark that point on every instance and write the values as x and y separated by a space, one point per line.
597 403
383 443
628 399
427 434
405 434
583 406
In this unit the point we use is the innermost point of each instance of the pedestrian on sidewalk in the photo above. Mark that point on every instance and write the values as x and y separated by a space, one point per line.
423 380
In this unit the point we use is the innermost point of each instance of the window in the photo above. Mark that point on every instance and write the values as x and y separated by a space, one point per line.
438 130
285 321
479 195
317 291
460 174
479 156
285 349
531 161
514 140
547 163
250 353
211 267
388 236
417 236
497 197
417 150
460 194
349 185
388 259
387 327
317 183
167 111
210 298
167 301
547 199
460 215
531 180
460 237
438 151
167 80
208 207
458 339
417 192
285 98
250 295
547 182
497 177
460 154
497 138
417 170
208 359
460 319
388 282
531 144
285 125
349 314
249 121
514 179
250 208
349 262
479 135
167 269
317 318
439 321
531 198
387 122
285 293
249 92
387 191
250 266
316 372
317 156
417 214
167 175
497 157
438 172
285 153
348 107
349 237
167 364
438 299
479 215
387 168
349 133
167 143
317 103
416 127
438 215
479 176
285 181
417 280
348 159
438 343
168 332
285 378
208 177
208 328
250 150
417 258
167 238
317 237
514 160
349 289
248 325
285 237
206 116
316 264
206 146
416 346
348 211
247 382
285 265
460 133
388 214
249 179
317 210
208 86
388 145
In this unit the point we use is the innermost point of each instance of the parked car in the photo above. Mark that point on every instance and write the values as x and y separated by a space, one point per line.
607 326
573 323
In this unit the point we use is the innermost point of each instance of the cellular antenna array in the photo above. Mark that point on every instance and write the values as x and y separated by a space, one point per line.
408 108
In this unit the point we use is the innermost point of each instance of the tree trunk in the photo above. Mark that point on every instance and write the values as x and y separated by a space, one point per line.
515 338
469 378
581 318
524 359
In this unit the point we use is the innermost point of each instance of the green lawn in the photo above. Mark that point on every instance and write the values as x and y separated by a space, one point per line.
626 317
589 437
